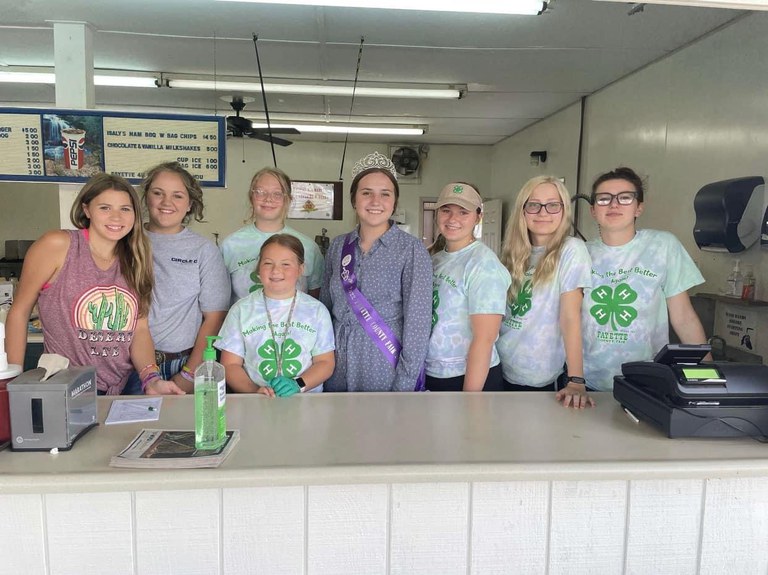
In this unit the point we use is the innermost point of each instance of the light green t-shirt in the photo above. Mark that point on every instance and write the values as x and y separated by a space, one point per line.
530 343
241 256
624 315
471 281
246 333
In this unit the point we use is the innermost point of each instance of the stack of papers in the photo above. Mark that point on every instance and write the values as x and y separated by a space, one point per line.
165 449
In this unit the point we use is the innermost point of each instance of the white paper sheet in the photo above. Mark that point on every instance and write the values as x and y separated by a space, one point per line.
133 410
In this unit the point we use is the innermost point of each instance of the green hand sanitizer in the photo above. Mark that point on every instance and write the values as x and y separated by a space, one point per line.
210 400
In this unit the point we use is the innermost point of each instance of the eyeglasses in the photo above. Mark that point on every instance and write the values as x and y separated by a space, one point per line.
535 207
623 198
266 195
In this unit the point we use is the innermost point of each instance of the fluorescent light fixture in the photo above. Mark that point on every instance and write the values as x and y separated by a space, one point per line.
732 4
27 77
125 81
98 79
316 89
341 129
522 7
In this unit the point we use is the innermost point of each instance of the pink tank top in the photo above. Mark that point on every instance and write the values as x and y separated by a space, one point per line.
89 316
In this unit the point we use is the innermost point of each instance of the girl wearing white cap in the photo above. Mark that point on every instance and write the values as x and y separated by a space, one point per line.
549 270
468 299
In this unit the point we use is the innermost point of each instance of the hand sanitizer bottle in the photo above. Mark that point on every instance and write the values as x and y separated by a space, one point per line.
735 280
210 400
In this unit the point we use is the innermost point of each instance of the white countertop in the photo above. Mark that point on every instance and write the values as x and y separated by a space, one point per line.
394 438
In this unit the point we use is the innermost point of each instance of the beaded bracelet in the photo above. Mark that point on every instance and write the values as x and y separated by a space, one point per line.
149 378
146 367
187 373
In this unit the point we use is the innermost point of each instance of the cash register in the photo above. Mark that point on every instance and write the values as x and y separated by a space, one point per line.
687 397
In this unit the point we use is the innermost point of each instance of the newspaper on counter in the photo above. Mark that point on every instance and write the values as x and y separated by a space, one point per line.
163 449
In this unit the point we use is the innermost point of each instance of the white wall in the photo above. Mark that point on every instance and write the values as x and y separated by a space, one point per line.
558 135
695 117
28 210
575 527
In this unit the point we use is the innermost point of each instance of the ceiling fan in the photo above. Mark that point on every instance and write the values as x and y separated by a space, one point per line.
240 127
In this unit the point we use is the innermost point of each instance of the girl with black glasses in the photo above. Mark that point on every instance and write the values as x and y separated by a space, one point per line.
541 329
639 287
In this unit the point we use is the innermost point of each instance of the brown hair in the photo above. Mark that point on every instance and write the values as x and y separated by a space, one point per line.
190 183
133 250
285 186
287 241
620 173
361 175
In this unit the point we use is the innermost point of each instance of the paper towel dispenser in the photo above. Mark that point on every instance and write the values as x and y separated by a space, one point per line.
728 214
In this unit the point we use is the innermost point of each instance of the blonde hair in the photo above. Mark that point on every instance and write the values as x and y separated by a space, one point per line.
285 186
517 247
133 250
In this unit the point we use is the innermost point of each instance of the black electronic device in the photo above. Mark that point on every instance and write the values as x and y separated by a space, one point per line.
690 398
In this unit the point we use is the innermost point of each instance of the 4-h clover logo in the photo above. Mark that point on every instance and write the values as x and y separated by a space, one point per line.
613 305
458 189
522 304
435 303
291 366
257 285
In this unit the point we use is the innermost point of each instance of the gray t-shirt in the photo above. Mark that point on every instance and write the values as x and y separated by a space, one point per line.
190 278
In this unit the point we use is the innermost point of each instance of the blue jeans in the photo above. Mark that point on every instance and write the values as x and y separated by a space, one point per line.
167 370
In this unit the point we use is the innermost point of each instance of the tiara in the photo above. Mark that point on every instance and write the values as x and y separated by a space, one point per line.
374 160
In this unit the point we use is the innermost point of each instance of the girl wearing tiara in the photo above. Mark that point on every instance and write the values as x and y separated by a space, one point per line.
378 286
549 270
277 341
270 197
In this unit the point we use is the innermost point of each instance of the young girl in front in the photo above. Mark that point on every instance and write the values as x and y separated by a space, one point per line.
468 300
277 341
94 287
542 325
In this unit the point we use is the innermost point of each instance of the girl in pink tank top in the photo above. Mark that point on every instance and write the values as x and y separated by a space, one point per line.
94 287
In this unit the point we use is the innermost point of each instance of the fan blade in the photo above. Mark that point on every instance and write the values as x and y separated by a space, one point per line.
272 140
275 131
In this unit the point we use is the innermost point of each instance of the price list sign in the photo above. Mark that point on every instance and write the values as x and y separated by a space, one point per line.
21 151
132 145
70 146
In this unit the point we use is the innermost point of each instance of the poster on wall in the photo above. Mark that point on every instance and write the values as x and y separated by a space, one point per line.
316 200
69 146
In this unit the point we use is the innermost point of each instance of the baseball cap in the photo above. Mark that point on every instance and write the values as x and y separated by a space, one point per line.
459 194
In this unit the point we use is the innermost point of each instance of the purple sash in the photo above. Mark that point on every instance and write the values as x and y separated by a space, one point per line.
370 320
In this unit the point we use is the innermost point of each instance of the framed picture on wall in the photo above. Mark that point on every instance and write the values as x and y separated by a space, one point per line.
316 200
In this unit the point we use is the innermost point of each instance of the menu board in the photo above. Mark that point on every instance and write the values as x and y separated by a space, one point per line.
68 146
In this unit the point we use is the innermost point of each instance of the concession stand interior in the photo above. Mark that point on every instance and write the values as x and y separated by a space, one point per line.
384 482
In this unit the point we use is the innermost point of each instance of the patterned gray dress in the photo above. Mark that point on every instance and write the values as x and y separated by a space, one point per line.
396 278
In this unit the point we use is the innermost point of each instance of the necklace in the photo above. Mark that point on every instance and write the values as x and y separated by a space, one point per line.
279 346
95 254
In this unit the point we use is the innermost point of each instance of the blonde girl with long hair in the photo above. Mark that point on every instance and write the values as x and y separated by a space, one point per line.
94 289
269 197
541 329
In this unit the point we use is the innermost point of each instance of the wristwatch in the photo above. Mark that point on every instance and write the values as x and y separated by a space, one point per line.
301 383
576 379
